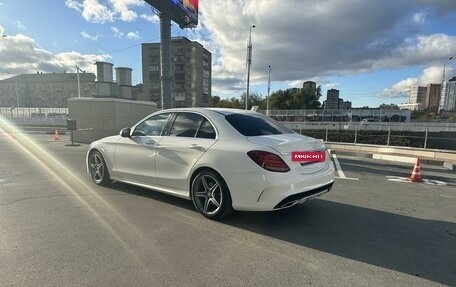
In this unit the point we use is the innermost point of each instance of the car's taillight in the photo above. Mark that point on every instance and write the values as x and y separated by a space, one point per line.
268 161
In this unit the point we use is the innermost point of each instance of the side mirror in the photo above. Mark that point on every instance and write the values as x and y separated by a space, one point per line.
125 133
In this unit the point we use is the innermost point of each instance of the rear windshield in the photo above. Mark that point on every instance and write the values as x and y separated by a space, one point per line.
256 125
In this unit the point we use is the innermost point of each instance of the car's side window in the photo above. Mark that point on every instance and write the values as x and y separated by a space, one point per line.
152 126
206 130
186 125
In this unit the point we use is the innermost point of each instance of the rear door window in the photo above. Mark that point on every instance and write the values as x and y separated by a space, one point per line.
192 125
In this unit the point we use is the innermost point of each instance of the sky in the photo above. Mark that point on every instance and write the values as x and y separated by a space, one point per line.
371 51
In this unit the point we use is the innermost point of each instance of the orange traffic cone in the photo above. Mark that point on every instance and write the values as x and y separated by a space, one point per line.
416 173
56 135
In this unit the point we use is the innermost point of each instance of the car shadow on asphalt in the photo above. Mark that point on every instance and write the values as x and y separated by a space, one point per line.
422 248
418 247
152 194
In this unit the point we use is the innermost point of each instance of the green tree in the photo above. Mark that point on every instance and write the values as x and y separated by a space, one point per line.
308 99
255 99
215 100
229 103
295 99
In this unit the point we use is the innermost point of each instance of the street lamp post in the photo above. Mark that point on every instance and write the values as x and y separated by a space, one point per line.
79 82
17 97
269 90
443 90
249 61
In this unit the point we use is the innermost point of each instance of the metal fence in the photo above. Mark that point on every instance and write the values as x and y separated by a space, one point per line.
339 126
350 115
33 113
417 135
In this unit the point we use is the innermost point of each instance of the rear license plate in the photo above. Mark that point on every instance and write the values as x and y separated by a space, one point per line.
308 156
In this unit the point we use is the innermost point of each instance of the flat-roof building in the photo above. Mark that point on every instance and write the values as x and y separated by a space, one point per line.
191 73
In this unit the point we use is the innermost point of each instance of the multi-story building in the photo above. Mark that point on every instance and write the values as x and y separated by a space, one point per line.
332 99
432 97
344 105
448 97
309 85
333 102
191 73
417 95
412 107
44 89
53 90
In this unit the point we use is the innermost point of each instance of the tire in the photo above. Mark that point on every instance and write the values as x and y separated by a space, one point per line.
98 169
210 195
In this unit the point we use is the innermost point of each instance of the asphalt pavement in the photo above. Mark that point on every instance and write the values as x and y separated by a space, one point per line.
59 229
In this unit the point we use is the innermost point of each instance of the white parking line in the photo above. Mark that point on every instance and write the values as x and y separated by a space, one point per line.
339 169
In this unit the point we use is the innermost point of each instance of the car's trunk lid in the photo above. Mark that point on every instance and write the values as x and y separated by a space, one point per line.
286 144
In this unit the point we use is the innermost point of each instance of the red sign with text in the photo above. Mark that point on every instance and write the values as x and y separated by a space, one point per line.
308 156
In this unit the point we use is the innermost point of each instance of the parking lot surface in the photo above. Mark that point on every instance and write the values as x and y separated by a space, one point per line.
59 229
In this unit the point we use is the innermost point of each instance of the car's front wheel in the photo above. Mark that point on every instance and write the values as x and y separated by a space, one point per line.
210 195
98 169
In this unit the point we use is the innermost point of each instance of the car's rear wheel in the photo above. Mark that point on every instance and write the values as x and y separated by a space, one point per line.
210 195
98 169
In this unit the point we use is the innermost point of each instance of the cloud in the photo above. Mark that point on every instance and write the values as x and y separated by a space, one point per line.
92 10
116 32
430 75
95 12
22 55
121 7
84 34
133 35
419 18
308 39
399 90
73 4
151 18
19 25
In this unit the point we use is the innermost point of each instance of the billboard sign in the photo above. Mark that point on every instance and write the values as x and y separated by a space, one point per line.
183 12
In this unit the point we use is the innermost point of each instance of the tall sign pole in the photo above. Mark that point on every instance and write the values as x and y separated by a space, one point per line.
183 13
269 90
165 59
249 61
79 82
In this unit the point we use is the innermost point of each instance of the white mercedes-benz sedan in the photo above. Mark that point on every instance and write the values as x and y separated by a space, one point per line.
221 159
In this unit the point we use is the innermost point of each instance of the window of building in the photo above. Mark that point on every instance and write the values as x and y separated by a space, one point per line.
154 68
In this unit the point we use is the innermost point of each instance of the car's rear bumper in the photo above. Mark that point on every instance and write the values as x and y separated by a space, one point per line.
303 196
265 191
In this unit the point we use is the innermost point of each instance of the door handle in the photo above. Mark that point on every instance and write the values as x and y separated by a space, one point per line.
153 144
196 147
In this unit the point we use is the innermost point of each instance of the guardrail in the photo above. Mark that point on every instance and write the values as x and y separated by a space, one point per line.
430 135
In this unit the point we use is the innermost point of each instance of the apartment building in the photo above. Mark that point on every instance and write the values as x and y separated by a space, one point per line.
333 102
417 95
191 73
448 97
310 86
432 97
